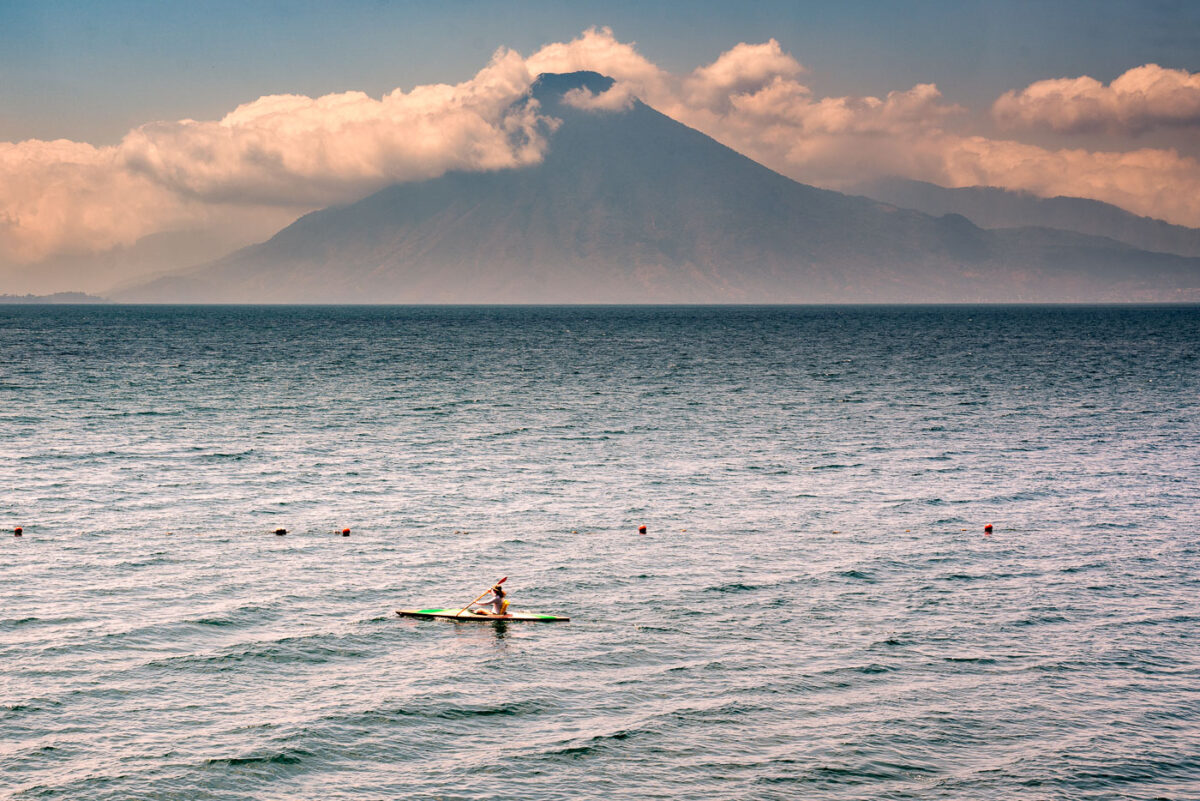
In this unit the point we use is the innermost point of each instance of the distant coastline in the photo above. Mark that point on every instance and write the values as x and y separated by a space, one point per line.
78 298
57 297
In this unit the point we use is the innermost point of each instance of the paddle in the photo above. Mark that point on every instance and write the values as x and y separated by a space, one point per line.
485 592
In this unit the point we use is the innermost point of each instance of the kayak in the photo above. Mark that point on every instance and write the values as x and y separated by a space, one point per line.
458 614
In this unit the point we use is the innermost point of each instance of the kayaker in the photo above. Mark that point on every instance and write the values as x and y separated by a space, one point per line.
496 600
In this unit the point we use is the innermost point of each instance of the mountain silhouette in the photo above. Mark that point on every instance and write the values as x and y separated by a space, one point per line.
992 207
630 206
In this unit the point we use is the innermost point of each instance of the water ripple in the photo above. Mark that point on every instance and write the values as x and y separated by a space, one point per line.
814 612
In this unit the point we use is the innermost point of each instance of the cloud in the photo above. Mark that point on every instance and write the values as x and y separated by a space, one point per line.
743 70
62 197
769 115
598 50
288 149
619 97
1142 99
787 103
277 151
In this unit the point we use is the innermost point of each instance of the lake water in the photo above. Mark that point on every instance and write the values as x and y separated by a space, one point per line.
815 611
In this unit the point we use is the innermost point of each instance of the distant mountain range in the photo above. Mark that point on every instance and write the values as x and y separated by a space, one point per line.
989 207
630 206
57 297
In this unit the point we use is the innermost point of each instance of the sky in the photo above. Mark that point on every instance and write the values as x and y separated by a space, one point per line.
139 136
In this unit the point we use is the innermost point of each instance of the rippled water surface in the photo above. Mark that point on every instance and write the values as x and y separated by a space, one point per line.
815 611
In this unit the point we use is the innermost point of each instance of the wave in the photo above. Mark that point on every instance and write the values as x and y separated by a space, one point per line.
230 455
734 587
857 575
512 709
294 757
593 745
242 616
12 623
313 649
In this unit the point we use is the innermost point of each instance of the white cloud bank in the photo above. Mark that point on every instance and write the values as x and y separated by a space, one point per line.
1140 100
278 151
286 154
294 150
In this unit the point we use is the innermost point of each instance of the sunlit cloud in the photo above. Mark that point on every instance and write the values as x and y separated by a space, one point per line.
1140 100
290 149
598 50
62 197
279 150
619 97
840 141
739 72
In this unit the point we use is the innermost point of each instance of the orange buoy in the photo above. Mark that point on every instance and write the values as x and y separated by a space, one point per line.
641 529
345 532
987 529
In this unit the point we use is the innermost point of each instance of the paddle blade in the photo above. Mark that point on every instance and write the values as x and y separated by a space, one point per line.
501 581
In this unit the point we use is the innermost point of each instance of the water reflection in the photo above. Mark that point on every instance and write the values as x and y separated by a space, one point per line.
497 629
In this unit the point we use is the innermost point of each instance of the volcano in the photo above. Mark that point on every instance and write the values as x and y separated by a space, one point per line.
630 206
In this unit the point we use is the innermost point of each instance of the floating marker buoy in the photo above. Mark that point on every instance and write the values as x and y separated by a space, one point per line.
345 532
987 529
18 531
641 529
279 532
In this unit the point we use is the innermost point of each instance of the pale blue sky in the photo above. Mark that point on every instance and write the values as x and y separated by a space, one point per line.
90 71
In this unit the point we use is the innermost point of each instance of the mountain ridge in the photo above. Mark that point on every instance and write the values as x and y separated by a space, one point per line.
994 207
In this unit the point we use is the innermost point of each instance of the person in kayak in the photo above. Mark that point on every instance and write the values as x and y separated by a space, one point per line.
496 600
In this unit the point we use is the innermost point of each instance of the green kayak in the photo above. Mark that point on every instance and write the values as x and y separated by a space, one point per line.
458 614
